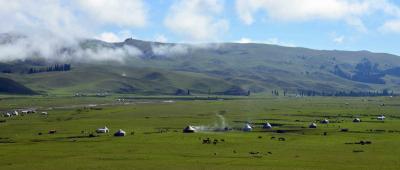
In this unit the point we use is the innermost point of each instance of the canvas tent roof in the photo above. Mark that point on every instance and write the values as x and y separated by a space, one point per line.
267 126
325 121
103 130
247 127
313 125
120 133
189 129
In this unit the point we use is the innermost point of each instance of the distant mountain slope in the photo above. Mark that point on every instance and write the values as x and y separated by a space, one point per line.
224 68
8 86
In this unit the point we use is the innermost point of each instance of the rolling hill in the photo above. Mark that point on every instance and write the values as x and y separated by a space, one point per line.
223 68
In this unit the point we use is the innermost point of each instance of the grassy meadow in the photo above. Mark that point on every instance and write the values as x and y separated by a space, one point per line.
155 140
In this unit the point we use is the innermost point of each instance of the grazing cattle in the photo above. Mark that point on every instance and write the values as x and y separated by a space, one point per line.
259 137
273 137
215 141
325 133
222 140
52 131
206 141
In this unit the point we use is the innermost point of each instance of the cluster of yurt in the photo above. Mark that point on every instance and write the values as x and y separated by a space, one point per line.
22 112
10 114
105 129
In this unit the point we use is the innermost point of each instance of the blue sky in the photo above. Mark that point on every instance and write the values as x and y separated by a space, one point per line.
324 24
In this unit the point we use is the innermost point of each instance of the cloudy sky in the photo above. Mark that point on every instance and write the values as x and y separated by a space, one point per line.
321 24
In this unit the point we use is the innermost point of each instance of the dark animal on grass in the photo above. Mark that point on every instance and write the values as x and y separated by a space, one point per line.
253 153
273 137
325 133
222 140
215 141
280 131
259 137
206 141
52 131
344 130
92 135
40 133
269 152
281 139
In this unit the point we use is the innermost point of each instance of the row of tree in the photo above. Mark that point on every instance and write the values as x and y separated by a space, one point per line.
56 67
384 92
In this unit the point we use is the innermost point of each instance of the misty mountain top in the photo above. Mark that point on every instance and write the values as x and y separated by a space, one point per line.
236 67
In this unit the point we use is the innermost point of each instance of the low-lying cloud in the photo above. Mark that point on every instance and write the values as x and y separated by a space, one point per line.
21 47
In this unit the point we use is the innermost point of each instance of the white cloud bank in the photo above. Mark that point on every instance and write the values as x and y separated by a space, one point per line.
123 13
197 20
391 26
274 41
51 25
350 11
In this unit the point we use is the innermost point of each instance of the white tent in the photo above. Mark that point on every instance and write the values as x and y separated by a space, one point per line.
189 129
325 121
120 133
381 117
247 128
14 113
313 125
356 120
103 130
7 115
267 126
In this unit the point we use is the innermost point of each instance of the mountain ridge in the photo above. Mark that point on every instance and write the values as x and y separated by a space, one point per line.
215 67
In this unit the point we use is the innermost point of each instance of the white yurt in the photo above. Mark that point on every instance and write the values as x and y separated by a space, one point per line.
189 129
247 128
381 117
7 115
15 113
356 120
103 130
313 125
325 121
267 126
120 133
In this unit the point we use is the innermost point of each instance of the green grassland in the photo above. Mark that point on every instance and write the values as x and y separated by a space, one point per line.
158 141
